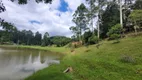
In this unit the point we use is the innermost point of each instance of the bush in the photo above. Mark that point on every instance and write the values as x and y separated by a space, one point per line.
86 36
114 32
114 36
93 39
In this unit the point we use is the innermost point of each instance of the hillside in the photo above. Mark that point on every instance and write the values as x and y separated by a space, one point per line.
111 61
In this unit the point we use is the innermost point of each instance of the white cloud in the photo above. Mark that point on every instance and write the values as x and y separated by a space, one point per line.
47 14
73 4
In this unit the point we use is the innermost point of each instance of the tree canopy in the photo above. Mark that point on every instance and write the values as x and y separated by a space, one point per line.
136 15
110 17
80 19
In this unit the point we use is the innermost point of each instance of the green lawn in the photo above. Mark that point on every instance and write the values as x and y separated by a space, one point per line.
119 61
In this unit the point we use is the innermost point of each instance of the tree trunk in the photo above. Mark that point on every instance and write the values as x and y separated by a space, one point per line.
121 17
135 27
80 39
92 16
98 25
92 25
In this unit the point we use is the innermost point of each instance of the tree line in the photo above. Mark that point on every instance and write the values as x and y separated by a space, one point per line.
113 19
11 35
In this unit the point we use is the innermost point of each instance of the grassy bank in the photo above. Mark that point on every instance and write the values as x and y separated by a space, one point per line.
112 61
61 50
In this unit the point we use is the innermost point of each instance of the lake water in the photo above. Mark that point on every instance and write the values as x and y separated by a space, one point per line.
16 64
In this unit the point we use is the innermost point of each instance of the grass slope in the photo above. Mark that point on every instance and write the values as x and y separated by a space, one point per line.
120 61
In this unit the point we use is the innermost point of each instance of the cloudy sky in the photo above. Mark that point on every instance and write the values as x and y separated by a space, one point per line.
55 18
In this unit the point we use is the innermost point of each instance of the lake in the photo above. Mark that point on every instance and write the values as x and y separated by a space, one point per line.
17 64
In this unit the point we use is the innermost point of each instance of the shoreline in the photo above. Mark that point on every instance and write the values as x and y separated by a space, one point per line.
59 50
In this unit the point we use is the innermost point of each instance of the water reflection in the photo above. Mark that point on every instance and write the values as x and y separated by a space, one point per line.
18 64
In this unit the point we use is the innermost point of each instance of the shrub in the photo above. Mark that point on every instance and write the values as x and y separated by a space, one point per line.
93 39
114 36
86 36
114 32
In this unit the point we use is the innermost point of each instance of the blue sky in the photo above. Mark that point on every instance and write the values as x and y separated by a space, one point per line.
64 6
55 18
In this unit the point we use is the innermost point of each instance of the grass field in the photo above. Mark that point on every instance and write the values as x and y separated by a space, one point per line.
111 61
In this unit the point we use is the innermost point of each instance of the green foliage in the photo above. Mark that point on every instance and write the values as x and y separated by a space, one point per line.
86 36
25 37
2 9
38 38
7 32
93 39
59 40
26 1
74 38
136 17
110 17
46 40
138 5
8 27
114 32
92 10
80 19
38 1
75 31
114 36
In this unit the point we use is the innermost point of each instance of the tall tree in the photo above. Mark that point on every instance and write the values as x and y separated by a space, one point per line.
8 29
30 36
45 40
37 38
127 7
101 4
121 14
136 19
110 17
91 12
80 19
75 31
